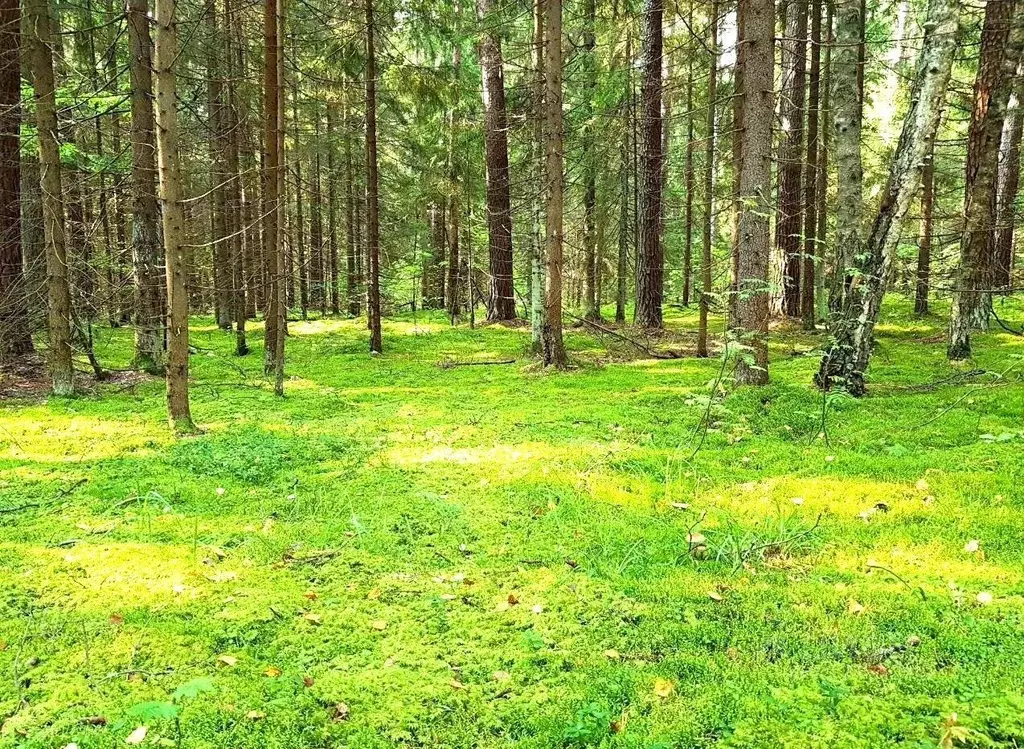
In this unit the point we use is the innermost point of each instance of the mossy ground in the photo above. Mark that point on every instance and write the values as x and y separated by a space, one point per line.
496 556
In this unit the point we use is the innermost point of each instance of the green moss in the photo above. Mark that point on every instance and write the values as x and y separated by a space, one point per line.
496 556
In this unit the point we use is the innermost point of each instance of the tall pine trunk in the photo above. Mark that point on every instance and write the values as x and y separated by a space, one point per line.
924 249
811 178
1009 184
791 153
709 189
165 57
554 348
40 26
650 253
372 189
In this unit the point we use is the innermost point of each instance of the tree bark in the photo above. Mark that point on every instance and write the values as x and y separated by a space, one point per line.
165 56
924 249
372 189
554 348
1001 41
709 189
846 114
821 253
591 306
273 247
222 271
791 152
332 208
40 24
624 197
811 177
15 337
233 189
650 254
688 172
1009 184
499 203
753 237
846 359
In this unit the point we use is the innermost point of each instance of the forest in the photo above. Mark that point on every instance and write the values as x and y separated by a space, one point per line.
512 373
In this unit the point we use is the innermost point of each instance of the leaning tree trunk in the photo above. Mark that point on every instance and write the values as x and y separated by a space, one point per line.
1009 184
650 253
750 326
554 348
165 57
499 203
40 24
15 338
372 189
1001 40
846 359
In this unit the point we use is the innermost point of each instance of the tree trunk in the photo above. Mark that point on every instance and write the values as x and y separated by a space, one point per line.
15 338
554 349
846 359
372 189
689 173
499 204
537 281
650 253
709 188
737 163
166 55
40 25
233 191
332 207
624 172
1001 41
273 247
222 271
846 114
821 253
924 250
811 176
591 307
753 237
791 152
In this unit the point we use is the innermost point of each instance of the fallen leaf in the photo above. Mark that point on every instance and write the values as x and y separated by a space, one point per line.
374 594
307 681
94 720
538 609
314 619
218 552
273 672
513 599
618 725
663 688
922 486
853 608
456 684
714 595
255 715
696 539
114 619
224 576
137 736
178 588
972 546
379 624
227 660
310 595
878 669
72 745
680 506
984 598
339 712
913 641
612 654
501 675
798 501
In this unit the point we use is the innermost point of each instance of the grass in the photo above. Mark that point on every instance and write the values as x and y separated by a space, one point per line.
400 554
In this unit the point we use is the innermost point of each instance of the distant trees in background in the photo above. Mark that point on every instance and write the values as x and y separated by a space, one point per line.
532 158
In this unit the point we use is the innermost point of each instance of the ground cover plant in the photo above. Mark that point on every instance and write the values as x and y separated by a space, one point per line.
407 551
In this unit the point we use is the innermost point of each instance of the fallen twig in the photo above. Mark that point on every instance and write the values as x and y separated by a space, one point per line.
453 364
636 344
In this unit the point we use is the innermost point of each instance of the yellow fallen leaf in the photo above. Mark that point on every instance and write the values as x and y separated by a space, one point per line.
227 660
456 684
972 546
612 654
853 608
255 715
379 624
501 675
714 595
273 672
137 736
312 618
985 598
374 594
663 688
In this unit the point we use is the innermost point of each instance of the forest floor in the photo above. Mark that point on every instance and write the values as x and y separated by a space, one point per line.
401 553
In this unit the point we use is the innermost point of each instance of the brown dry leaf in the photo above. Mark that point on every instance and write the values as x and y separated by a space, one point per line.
226 660
310 595
307 681
3 645
619 724
663 688
255 715
137 736
513 599
114 619
612 654
273 672
853 608
339 712
379 624
94 720
878 669
374 594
